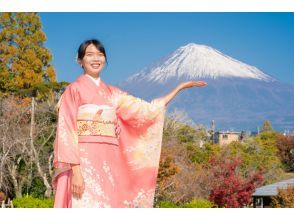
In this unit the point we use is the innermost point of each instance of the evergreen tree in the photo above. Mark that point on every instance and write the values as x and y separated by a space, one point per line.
267 126
25 64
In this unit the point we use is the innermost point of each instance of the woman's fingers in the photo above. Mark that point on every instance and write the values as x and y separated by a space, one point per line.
200 83
77 190
78 184
193 83
74 191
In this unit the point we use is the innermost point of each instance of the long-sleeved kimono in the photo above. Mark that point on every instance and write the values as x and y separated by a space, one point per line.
116 140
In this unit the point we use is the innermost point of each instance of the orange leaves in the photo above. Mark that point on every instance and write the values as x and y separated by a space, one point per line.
285 145
167 166
51 74
285 198
23 56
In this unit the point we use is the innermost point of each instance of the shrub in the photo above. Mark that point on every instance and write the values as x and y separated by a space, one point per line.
166 204
229 188
37 189
285 145
31 202
195 203
284 199
186 134
198 203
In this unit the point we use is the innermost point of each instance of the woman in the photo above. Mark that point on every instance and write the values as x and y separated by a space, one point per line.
107 146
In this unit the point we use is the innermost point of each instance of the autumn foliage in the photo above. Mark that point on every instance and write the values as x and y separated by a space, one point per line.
25 63
230 189
285 145
285 198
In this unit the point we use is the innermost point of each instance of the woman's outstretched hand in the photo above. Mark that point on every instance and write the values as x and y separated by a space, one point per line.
166 99
189 84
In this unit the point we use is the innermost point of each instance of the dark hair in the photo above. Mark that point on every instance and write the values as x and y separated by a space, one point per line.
85 44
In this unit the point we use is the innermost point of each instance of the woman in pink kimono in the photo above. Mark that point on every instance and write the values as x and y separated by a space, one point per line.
108 143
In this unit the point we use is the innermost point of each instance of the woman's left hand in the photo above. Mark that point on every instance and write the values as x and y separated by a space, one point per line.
166 99
192 84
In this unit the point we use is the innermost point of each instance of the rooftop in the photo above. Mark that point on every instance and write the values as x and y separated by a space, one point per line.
228 132
272 189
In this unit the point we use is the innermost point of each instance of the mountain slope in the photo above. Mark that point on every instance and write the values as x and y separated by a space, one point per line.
199 61
238 96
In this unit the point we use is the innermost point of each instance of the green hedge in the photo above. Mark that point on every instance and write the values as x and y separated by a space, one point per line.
195 203
166 204
31 202
198 203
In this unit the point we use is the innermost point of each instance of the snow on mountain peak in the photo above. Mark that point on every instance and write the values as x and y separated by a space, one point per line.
194 61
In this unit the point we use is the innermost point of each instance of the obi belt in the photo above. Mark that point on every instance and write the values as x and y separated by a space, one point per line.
97 123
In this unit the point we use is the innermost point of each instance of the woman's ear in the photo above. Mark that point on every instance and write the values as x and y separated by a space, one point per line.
79 62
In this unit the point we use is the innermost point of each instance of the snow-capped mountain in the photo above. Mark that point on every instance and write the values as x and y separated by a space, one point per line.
199 61
238 96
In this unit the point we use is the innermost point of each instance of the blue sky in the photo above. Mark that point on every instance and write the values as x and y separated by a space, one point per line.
136 40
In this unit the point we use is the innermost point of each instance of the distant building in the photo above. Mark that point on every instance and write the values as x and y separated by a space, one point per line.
262 195
226 137
288 133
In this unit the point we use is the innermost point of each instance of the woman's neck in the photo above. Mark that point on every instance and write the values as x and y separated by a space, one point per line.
93 75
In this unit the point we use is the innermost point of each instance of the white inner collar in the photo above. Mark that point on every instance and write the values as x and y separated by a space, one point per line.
96 81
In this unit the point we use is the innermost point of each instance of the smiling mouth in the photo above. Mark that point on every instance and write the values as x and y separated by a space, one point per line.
95 66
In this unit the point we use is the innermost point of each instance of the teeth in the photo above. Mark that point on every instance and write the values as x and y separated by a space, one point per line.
95 65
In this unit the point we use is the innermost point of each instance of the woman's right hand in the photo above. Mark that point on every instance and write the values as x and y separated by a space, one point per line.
78 185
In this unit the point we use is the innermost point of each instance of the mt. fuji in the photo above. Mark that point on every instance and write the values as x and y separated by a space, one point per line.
199 61
238 96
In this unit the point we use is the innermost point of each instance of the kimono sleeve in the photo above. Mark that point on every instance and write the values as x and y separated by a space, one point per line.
140 139
138 113
66 148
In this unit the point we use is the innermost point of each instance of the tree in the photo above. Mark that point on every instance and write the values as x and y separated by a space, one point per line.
267 156
26 153
285 145
229 188
179 179
167 169
25 64
14 127
284 199
267 126
201 155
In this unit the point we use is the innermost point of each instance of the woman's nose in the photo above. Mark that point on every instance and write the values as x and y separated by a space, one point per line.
98 58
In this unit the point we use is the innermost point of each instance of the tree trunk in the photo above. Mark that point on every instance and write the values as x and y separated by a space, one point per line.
36 155
17 186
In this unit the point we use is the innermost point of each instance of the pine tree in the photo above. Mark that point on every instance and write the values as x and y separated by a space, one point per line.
25 64
267 126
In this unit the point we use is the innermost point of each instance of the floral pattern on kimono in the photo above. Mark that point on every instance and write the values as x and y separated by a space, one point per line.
118 153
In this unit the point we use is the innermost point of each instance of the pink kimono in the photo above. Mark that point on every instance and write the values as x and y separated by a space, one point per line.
116 139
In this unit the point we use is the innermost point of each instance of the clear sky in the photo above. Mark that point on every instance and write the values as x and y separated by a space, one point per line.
136 40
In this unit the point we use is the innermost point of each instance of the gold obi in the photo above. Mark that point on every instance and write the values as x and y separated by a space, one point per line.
96 123
104 128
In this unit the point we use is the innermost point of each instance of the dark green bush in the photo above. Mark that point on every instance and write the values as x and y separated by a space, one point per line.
37 189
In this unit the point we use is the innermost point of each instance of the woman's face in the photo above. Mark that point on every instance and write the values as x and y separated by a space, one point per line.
93 61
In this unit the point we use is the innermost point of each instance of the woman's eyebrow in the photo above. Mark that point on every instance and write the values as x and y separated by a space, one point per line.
95 52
